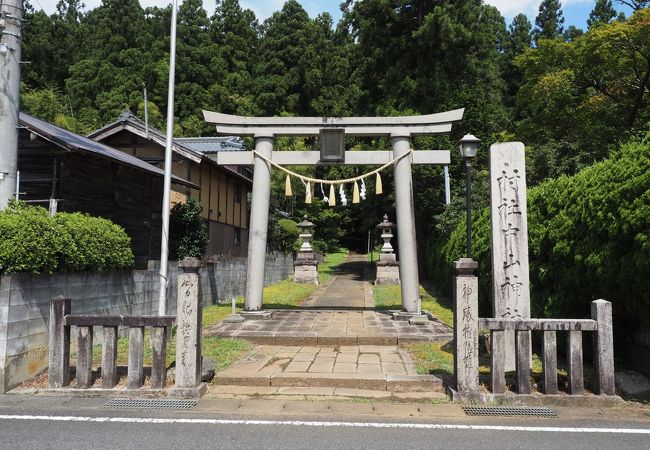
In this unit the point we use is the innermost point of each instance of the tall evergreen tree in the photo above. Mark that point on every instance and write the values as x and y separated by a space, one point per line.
603 12
194 54
572 33
520 35
550 20
520 39
289 61
234 30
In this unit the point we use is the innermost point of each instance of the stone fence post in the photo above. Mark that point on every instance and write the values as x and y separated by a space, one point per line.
188 332
59 345
465 292
601 312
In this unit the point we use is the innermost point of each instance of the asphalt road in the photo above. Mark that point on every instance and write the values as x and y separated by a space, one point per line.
103 429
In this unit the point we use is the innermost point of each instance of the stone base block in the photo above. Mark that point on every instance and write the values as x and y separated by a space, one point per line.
582 400
419 320
306 274
187 392
387 258
402 315
256 315
234 318
387 273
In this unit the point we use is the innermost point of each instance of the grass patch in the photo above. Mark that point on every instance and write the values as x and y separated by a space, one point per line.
328 267
390 297
434 359
286 294
224 351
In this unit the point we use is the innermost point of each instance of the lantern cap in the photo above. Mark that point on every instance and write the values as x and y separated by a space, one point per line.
385 223
306 223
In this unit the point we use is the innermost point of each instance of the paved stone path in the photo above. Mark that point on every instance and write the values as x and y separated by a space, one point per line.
336 341
384 368
347 289
337 314
328 327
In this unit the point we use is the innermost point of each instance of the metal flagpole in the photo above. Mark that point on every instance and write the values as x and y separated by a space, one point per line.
164 239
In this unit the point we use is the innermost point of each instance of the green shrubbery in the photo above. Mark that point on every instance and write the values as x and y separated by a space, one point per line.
286 235
589 238
32 241
188 233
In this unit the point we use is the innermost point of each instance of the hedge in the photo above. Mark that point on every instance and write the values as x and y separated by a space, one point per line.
32 241
188 233
589 238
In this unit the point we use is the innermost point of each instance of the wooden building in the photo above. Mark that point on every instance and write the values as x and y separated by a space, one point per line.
67 172
222 191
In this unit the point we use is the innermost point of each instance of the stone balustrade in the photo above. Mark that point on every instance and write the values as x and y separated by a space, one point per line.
188 342
466 329
61 322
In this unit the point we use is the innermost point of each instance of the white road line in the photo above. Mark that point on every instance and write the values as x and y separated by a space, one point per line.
300 423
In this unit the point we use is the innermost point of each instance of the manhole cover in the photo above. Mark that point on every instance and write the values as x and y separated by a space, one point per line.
509 411
149 403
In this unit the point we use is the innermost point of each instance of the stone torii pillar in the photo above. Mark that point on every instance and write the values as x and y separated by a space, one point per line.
407 250
399 129
259 222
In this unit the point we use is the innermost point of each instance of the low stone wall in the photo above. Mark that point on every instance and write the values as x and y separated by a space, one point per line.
25 300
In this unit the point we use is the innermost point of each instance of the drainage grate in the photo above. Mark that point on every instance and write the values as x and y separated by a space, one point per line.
509 411
149 403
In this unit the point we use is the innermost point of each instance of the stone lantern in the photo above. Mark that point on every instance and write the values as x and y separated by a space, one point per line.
306 232
306 264
387 266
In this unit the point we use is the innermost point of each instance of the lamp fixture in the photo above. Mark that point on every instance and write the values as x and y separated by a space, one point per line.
468 146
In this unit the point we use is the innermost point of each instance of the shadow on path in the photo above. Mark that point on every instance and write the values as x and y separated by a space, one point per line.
346 289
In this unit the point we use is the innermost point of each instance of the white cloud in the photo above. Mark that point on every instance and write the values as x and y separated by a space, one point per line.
510 8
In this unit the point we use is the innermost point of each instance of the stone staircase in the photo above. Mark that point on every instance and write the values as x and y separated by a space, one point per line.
379 368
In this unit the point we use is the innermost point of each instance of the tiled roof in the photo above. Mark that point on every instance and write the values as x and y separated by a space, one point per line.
74 142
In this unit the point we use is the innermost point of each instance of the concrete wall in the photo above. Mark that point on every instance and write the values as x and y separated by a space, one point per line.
25 299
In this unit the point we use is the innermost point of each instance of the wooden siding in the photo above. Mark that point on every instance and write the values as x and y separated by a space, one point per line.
97 186
216 195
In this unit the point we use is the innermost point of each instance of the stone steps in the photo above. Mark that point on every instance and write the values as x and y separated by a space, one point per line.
384 383
332 327
323 394
328 338
368 367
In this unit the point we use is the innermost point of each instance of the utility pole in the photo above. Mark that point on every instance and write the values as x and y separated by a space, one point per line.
11 16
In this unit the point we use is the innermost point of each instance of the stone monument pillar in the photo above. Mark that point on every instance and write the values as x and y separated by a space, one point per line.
188 332
306 265
465 292
510 282
387 266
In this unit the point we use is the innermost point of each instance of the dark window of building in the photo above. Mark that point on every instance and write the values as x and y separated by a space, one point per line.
237 193
237 239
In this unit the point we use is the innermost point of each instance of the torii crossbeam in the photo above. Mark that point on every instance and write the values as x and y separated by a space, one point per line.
399 129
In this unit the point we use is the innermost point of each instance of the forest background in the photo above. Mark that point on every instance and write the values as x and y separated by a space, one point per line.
572 96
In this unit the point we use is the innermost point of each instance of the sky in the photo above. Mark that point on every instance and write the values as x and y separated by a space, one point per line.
576 12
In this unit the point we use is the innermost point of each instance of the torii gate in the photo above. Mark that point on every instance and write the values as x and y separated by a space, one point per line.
399 129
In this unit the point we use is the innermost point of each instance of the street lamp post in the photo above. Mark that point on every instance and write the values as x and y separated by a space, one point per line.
468 146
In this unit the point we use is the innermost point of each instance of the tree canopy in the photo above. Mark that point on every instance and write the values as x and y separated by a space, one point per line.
570 95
